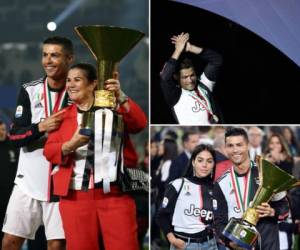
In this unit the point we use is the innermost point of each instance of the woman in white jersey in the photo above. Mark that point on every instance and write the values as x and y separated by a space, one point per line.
186 215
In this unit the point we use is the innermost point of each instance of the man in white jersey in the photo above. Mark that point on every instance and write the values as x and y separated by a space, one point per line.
236 188
31 203
190 98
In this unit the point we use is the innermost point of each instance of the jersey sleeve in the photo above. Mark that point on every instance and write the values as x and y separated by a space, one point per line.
166 209
135 119
220 213
212 69
22 131
170 91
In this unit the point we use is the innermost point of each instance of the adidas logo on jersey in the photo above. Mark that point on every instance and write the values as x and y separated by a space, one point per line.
38 105
203 213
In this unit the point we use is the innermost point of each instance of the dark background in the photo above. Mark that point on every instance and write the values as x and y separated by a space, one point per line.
257 85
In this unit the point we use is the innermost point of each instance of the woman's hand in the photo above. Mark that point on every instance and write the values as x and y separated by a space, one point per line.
75 142
265 210
177 243
113 84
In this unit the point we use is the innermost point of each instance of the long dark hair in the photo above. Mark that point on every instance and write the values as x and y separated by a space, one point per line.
202 147
170 149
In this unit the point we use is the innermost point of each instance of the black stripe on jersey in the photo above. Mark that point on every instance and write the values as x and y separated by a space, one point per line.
52 198
223 175
89 164
34 83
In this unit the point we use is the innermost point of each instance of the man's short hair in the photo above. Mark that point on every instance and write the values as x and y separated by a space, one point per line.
186 63
236 132
1 122
186 135
63 41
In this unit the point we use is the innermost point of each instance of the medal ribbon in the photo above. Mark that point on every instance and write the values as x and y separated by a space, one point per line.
203 102
49 109
241 200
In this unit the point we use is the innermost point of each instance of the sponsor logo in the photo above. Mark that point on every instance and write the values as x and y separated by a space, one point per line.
203 213
19 111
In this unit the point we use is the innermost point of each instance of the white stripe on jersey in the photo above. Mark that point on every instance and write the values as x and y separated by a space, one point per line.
80 160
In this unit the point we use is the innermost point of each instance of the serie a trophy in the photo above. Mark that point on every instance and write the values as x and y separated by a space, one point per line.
108 45
272 180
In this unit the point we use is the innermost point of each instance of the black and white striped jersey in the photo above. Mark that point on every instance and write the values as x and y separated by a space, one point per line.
33 174
187 208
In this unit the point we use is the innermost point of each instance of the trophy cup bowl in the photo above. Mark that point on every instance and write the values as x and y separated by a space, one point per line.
272 180
108 46
102 123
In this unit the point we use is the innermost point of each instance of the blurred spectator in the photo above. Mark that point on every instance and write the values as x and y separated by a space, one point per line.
168 150
9 157
189 141
278 153
293 145
255 135
222 162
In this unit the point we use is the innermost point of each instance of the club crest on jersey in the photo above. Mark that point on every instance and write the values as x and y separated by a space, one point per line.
165 202
19 111
187 190
203 213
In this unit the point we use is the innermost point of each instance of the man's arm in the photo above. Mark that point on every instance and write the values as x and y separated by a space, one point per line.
168 84
212 69
22 131
165 216
220 214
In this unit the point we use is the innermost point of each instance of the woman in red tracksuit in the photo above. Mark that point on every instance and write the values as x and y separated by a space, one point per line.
92 210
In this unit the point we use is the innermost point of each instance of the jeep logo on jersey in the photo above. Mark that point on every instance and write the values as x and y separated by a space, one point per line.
193 211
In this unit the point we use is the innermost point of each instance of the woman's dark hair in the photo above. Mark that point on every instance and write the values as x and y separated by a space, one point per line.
170 149
284 147
294 142
202 147
88 69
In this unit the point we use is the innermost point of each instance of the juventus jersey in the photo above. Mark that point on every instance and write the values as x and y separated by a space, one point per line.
193 110
33 174
195 107
234 194
187 206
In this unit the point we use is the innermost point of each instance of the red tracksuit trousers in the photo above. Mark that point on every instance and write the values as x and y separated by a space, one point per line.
89 216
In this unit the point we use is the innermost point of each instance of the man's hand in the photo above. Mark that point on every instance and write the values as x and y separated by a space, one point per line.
265 210
180 42
52 122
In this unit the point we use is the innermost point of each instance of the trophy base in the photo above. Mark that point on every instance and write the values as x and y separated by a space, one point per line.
241 233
